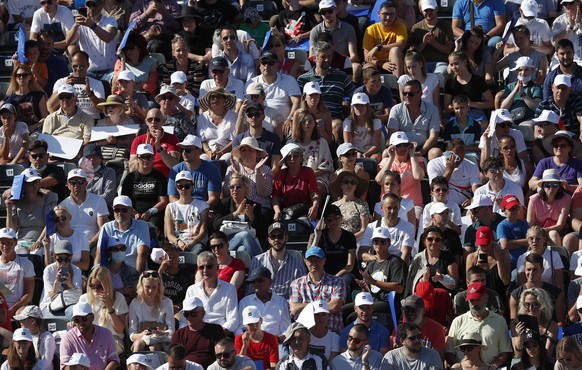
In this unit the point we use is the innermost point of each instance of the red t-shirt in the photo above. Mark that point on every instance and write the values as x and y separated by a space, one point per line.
266 350
225 274
577 199
296 188
433 334
3 304
169 142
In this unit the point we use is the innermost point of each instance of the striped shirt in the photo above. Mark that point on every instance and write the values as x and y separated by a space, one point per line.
290 269
196 73
335 87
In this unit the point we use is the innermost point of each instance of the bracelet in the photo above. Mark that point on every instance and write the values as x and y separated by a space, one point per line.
153 211
111 312
93 26
159 149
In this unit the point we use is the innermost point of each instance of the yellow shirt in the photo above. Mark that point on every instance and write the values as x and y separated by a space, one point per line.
376 34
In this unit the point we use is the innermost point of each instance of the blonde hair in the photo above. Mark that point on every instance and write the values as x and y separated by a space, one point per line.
104 276
63 209
159 293
546 310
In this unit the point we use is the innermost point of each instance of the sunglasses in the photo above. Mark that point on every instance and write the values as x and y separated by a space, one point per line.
410 93
151 274
276 236
22 75
183 187
415 337
190 314
76 182
59 219
96 286
431 239
120 248
528 305
548 186
467 348
326 11
254 96
235 187
167 97
145 157
254 115
228 38
355 340
267 63
64 259
351 154
65 96
379 241
187 150
216 246
205 267
561 146
154 119
403 145
350 182
224 354
37 156
77 320
120 210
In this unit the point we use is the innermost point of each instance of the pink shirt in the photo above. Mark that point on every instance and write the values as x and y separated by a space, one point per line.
544 211
409 188
100 350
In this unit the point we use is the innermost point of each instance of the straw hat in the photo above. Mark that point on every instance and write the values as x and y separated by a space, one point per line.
112 100
551 175
252 143
336 189
229 99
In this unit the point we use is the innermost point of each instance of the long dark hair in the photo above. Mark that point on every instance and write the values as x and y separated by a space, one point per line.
26 363
476 31
545 363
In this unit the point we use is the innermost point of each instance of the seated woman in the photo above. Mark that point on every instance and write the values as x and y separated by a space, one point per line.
115 111
550 206
346 161
534 353
109 307
415 69
27 215
538 242
186 219
151 315
514 168
316 153
312 101
216 125
123 276
64 231
14 137
568 353
473 44
295 186
230 269
30 317
339 244
136 59
237 207
362 129
21 353
57 278
535 302
249 160
354 211
471 345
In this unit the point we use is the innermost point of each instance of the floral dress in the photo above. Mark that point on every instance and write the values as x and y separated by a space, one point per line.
317 156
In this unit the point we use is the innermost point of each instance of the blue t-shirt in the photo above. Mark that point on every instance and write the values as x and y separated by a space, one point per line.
506 229
378 336
380 101
570 172
206 179
484 13
574 330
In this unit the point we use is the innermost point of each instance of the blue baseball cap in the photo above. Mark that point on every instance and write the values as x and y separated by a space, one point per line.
315 251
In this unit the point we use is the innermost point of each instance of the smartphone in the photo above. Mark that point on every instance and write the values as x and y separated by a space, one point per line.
448 154
64 272
482 258
83 11
530 322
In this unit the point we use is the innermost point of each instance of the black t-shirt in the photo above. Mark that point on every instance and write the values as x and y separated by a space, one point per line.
215 15
175 286
336 254
474 89
144 189
552 290
445 260
394 269
56 172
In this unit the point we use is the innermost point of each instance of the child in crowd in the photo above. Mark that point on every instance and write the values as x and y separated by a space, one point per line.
464 127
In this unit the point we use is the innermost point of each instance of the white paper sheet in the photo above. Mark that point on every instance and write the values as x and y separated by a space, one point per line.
62 147
101 132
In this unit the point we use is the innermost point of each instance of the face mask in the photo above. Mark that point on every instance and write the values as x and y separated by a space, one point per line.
524 79
117 257
526 21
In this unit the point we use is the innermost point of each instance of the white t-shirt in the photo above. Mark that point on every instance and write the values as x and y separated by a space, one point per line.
189 365
15 142
278 94
362 139
508 188
186 218
59 25
78 241
401 234
219 136
188 101
120 307
49 276
406 205
494 149
23 8
462 179
12 275
327 344
83 101
84 216
102 55
430 83
539 31
233 86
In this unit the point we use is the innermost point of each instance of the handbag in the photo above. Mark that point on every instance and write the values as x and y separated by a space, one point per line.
234 227
518 114
64 299
296 210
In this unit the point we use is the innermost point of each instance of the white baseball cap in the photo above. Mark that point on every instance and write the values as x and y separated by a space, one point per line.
122 200
428 4
312 88
320 306
78 359
381 233
158 254
66 89
548 116
480 201
178 77
251 315
562 80
22 334
184 175
77 172
139 358
82 309
344 148
324 4
529 8
31 175
502 115
191 140
399 137
360 98
191 303
126 76
255 88
144 149
287 149
7 232
523 62
364 299
438 208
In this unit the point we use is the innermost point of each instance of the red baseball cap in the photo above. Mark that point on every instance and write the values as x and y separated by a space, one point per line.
509 201
483 236
425 290
476 291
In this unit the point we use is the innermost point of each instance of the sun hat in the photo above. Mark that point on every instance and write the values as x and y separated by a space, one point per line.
28 311
288 149
252 143
551 175
472 339
229 99
167 89
336 185
112 100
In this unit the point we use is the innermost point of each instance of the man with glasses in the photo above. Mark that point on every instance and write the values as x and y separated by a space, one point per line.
482 214
359 354
220 77
497 186
412 355
134 233
89 91
297 337
69 120
255 94
281 90
207 182
177 359
278 318
219 298
56 18
480 320
329 288
169 100
53 176
384 41
88 211
228 359
418 119
241 63
198 337
283 266
166 154
93 340
96 35
432 332
255 118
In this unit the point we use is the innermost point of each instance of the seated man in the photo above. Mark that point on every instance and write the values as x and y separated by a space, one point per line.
220 77
482 213
477 274
358 352
198 337
297 337
331 289
228 359
497 187
489 15
69 120
411 350
16 273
